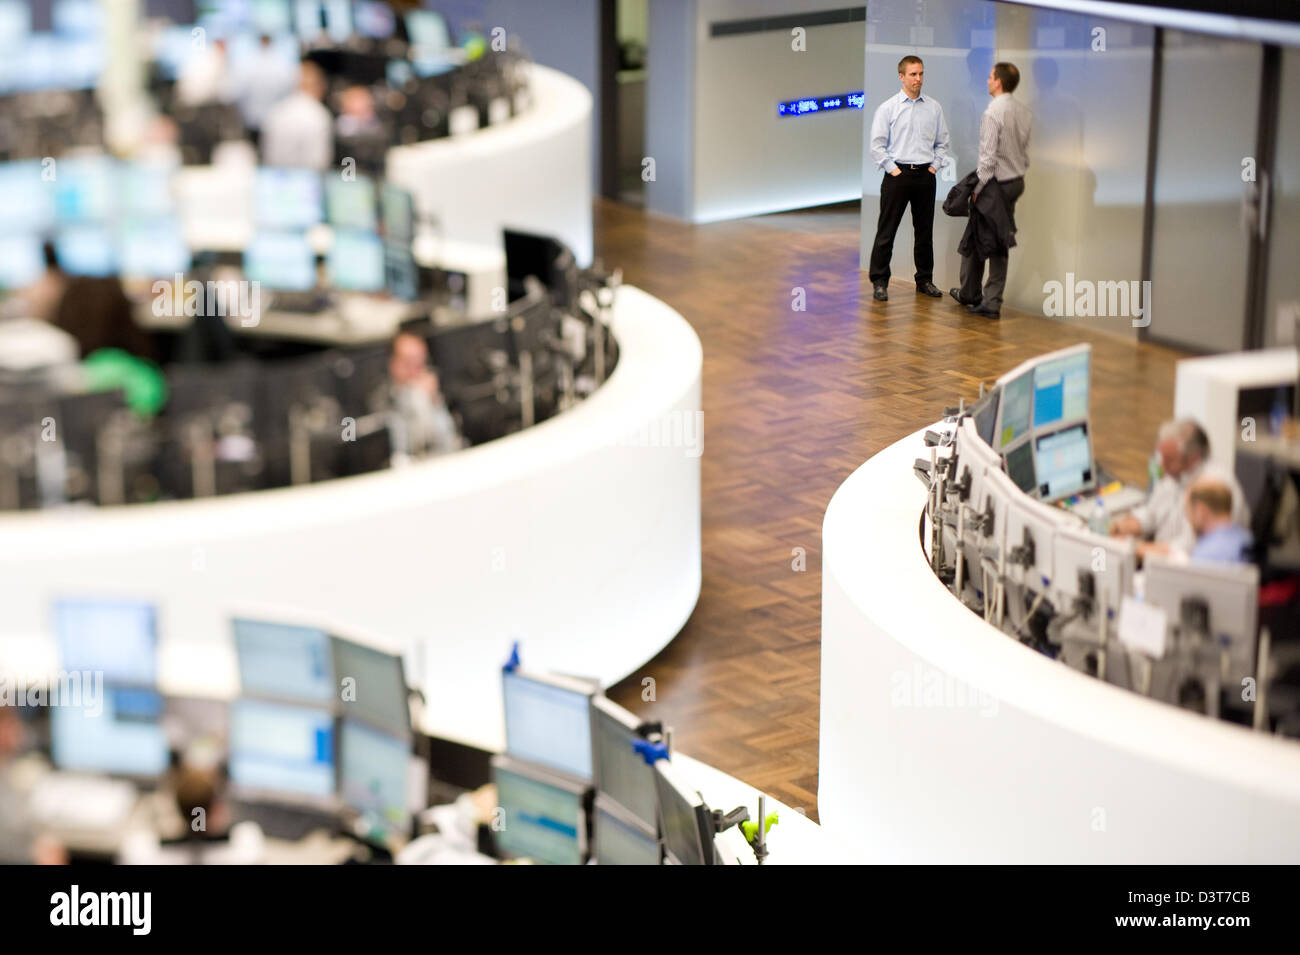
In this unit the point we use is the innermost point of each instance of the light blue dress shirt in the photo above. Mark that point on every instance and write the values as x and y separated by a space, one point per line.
1223 545
909 130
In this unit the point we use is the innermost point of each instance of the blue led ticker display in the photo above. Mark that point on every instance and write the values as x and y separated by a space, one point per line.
820 104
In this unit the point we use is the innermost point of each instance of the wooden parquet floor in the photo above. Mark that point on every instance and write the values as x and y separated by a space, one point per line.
793 402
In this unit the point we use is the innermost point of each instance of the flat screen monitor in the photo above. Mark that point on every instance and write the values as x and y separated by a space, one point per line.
356 261
620 840
621 773
153 250
284 662
1108 561
146 190
985 413
287 198
374 19
15 23
373 773
283 750
86 250
548 721
338 20
269 17
400 273
1229 592
123 735
377 690
350 203
543 815
399 214
28 207
85 189
1063 463
1061 390
683 818
1020 467
22 261
281 261
427 30
116 637
1014 416
77 17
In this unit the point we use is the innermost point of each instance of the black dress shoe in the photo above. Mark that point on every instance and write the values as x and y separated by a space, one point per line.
985 311
880 295
927 288
956 295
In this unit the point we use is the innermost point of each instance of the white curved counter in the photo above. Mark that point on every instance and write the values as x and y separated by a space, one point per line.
531 172
943 740
580 537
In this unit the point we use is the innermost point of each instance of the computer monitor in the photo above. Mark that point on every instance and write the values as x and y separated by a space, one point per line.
350 203
86 250
77 17
28 207
540 256
269 17
356 261
1061 389
399 214
620 839
1031 528
377 692
684 818
543 816
110 635
1063 463
1108 563
1015 411
122 736
374 767
338 20
85 190
22 261
374 19
281 261
153 250
548 721
985 414
284 661
1228 592
287 198
15 23
282 751
401 275
146 190
1020 467
427 30
621 773
308 21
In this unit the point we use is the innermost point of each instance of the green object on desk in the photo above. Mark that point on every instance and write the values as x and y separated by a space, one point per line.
142 381
750 829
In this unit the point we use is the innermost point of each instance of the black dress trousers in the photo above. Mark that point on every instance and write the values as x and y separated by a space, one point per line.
917 188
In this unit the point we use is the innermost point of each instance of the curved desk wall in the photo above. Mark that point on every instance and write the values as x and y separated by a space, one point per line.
580 537
943 740
531 172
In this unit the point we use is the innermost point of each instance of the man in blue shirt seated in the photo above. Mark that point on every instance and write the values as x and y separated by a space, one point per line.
1219 539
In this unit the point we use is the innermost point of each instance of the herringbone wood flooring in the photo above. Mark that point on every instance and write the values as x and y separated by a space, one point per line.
793 402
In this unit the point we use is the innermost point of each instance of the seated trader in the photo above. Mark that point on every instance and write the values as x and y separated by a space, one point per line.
359 133
208 837
1184 452
298 130
419 422
1218 538
20 841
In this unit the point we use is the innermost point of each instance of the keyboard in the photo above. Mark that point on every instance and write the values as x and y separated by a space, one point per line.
290 823
313 301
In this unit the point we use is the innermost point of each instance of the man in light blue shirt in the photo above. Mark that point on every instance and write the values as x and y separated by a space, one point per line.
1219 539
909 142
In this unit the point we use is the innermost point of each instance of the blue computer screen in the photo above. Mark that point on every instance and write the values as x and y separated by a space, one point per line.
373 768
541 820
85 189
146 190
400 273
618 843
86 250
427 30
28 206
399 214
281 260
282 748
1064 462
356 261
350 203
21 260
153 249
283 661
287 198
1061 390
123 734
548 724
116 637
